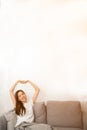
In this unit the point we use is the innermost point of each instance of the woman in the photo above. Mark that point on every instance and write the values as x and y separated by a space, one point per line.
23 107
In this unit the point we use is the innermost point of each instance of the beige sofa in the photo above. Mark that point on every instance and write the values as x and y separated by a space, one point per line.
61 115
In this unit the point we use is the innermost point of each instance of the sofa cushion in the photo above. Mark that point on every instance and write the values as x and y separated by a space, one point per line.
65 128
11 119
38 126
64 113
40 112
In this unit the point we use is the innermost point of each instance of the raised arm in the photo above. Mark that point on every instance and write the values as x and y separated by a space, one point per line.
37 90
12 92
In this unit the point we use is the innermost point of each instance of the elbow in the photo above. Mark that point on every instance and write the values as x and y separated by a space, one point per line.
11 91
38 90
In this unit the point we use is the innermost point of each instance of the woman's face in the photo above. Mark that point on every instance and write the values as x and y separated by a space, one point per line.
22 97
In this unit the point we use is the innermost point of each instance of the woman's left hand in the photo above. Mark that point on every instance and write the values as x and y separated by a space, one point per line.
23 81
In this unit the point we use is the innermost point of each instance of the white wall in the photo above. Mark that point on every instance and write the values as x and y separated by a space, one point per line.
46 42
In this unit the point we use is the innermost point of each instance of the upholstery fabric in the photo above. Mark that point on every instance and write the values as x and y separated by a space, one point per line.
40 112
3 123
11 119
65 128
64 113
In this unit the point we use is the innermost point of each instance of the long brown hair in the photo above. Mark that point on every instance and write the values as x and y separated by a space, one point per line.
20 109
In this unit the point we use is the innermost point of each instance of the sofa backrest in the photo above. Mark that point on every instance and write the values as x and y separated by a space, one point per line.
64 113
55 113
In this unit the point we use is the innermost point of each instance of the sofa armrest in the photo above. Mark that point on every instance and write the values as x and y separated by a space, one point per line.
3 123
11 119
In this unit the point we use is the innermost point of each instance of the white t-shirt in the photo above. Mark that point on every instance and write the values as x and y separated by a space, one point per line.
28 116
